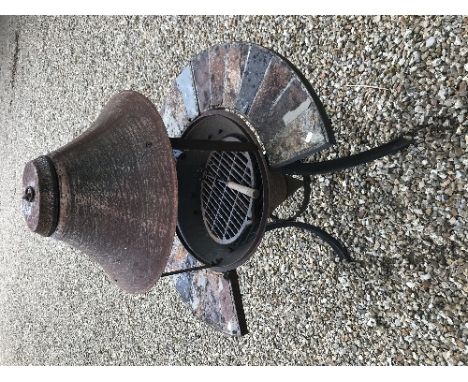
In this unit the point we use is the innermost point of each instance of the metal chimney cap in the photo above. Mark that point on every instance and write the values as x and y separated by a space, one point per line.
40 199
111 192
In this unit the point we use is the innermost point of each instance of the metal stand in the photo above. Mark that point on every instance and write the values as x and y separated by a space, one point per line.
305 201
298 168
330 166
337 246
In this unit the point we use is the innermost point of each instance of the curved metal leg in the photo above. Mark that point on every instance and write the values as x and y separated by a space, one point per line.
334 165
336 245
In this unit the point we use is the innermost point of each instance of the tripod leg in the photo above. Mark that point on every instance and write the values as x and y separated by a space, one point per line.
334 165
337 246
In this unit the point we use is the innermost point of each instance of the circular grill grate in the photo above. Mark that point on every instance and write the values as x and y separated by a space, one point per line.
226 212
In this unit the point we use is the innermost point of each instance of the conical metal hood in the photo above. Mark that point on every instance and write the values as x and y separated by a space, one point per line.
111 192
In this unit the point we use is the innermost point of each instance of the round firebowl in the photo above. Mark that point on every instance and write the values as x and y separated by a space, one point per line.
194 227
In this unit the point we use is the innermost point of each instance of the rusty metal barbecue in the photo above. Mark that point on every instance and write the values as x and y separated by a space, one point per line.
241 118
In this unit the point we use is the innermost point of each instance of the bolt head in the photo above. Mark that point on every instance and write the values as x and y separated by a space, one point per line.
40 199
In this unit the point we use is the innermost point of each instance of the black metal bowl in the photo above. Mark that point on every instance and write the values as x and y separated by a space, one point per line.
216 224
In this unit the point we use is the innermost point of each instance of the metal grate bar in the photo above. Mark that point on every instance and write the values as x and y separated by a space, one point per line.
226 212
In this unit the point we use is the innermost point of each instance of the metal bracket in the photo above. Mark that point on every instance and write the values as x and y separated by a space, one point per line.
208 266
207 145
308 169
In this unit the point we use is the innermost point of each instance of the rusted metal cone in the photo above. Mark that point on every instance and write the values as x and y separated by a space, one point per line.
111 192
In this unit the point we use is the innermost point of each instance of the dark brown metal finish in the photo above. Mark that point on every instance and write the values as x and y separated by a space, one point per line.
118 192
208 145
40 202
281 187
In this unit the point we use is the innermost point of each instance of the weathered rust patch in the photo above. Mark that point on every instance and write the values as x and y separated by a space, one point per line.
126 152
216 55
235 59
201 77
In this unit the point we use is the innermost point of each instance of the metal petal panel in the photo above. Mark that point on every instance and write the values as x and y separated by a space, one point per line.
202 79
181 104
217 56
257 64
235 59
212 297
286 135
264 87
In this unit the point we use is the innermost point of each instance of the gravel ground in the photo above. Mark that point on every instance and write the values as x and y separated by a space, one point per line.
404 299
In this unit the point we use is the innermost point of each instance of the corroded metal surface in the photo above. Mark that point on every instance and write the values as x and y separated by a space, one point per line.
118 192
201 76
236 55
279 105
212 297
